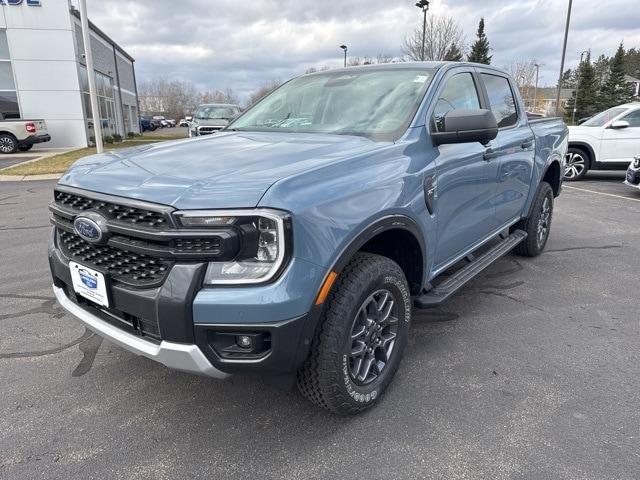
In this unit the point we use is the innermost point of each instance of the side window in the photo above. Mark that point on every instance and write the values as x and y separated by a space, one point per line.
501 100
633 118
458 93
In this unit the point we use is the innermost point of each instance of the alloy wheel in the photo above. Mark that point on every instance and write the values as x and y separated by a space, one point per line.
543 223
575 164
6 145
373 337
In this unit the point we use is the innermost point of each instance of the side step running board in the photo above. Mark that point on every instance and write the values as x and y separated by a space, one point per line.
440 293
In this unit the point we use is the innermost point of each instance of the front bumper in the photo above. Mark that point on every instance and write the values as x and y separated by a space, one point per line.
179 322
633 177
179 356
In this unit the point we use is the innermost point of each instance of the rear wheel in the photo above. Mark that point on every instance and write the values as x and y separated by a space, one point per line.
361 339
8 143
537 224
576 164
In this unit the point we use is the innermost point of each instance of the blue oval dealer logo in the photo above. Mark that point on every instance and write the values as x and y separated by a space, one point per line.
87 229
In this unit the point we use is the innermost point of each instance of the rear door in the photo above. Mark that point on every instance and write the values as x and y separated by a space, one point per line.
463 209
621 144
511 155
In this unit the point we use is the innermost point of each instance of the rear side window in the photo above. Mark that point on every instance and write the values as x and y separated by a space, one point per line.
633 118
501 100
459 93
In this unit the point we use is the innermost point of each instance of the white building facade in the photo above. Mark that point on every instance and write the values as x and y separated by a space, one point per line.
43 73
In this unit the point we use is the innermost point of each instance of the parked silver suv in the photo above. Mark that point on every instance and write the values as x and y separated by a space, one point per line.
212 117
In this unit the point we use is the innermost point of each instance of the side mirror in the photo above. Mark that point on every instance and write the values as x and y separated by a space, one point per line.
619 124
467 126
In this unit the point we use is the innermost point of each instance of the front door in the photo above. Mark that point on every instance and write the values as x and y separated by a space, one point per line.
621 144
511 152
464 213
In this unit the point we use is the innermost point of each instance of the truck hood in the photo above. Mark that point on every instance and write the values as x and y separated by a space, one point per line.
225 170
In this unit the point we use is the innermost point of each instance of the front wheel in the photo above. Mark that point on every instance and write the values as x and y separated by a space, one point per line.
576 164
362 336
537 224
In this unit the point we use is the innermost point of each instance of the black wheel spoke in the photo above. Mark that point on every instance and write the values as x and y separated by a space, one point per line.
373 336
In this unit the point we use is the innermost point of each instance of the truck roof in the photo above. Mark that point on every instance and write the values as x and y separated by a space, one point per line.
426 65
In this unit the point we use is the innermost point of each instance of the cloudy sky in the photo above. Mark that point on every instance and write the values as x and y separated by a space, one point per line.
220 44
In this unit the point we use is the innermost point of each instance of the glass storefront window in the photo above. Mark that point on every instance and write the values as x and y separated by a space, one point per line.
9 107
106 102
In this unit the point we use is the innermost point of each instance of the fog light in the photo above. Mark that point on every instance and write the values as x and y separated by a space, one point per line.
244 341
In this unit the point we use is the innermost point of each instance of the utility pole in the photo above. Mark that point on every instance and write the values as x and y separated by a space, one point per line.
424 6
564 52
344 47
575 100
91 74
535 90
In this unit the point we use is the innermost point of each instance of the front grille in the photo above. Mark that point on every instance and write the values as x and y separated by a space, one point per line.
208 130
112 211
121 265
198 245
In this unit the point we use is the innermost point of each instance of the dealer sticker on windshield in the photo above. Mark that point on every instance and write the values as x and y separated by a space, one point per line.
89 284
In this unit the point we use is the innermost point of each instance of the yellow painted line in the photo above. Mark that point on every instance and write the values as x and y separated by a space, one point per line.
602 193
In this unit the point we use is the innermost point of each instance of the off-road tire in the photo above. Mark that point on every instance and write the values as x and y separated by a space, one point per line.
324 378
532 246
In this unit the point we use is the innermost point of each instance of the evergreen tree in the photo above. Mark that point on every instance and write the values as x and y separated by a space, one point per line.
453 54
569 78
586 92
632 62
615 90
480 49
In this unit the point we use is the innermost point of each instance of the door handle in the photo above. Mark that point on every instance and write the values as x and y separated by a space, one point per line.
527 144
490 154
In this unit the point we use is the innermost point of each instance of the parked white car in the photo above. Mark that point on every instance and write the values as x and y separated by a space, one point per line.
607 141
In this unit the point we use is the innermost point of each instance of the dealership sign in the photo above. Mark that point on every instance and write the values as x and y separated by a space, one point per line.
31 3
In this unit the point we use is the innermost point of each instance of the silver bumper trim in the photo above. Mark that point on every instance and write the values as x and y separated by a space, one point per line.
179 356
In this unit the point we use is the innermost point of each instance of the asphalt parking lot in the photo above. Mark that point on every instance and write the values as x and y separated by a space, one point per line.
532 372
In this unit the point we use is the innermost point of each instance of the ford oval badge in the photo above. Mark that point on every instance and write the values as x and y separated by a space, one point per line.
87 229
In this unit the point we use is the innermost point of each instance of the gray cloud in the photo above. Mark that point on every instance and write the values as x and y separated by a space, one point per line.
241 45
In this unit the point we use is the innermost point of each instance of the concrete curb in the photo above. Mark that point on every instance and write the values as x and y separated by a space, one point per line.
29 178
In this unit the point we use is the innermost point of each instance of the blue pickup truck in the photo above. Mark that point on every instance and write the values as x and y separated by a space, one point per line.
296 243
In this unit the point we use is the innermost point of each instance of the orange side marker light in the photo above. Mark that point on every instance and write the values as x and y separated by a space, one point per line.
326 288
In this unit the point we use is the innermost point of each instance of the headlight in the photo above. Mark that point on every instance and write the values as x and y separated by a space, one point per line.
636 162
263 243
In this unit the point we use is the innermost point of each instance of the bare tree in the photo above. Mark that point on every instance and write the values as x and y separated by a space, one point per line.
524 73
173 98
441 35
218 96
263 91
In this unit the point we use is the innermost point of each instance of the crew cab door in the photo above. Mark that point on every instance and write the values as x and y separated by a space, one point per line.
463 210
510 156
621 144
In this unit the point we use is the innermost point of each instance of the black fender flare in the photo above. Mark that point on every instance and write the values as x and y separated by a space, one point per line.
386 223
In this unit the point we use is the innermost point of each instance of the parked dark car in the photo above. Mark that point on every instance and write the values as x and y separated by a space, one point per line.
147 124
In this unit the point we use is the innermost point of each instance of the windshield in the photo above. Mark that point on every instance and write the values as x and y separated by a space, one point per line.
215 112
371 102
603 118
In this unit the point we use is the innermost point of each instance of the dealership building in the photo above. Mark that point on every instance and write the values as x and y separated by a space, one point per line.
43 73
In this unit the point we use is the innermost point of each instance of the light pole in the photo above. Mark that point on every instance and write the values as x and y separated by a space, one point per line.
344 47
575 100
535 90
564 52
91 74
424 6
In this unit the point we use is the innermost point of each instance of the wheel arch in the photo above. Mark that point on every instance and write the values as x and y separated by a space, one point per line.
553 176
588 149
397 237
